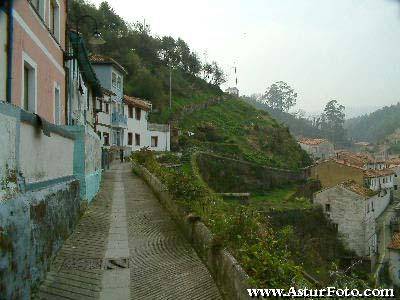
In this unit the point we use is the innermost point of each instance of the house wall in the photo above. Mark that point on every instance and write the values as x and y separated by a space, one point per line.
44 158
394 266
87 160
9 131
3 55
27 243
347 210
41 160
396 181
383 182
33 41
104 74
164 139
331 173
323 150
136 127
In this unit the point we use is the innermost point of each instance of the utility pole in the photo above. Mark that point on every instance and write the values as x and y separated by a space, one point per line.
170 86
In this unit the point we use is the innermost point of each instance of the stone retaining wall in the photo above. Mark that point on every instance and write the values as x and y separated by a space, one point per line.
224 174
33 227
226 271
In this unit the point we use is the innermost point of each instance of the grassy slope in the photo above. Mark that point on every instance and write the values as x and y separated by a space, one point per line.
376 126
235 129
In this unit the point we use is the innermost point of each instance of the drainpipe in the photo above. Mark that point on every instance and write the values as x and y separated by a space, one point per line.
10 41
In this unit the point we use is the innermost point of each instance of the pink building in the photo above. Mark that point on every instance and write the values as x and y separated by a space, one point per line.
38 74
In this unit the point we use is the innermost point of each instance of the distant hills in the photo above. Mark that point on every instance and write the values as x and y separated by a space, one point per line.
374 127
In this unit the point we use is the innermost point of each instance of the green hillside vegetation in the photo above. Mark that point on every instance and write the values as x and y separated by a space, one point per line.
147 58
297 125
376 126
235 129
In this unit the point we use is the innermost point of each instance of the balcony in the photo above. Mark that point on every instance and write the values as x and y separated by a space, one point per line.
118 120
158 127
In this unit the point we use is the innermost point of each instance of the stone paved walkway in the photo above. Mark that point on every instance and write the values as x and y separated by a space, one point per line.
127 247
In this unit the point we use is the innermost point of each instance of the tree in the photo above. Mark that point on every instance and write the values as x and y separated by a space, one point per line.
332 120
280 96
218 75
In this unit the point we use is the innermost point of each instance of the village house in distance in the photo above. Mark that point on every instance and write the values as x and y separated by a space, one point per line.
122 119
357 192
317 148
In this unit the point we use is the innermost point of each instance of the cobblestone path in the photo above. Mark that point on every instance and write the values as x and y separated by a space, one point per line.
142 253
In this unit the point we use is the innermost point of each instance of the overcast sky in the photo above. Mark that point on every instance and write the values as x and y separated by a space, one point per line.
343 49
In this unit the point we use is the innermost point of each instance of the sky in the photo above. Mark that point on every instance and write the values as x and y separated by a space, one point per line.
348 50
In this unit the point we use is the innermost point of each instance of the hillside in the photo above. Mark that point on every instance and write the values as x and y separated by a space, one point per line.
235 129
298 126
375 126
147 57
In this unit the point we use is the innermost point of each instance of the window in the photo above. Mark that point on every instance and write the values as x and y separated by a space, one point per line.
114 80
100 104
154 141
106 137
107 108
138 113
54 19
327 207
137 139
38 5
29 84
395 187
130 112
119 82
57 105
130 138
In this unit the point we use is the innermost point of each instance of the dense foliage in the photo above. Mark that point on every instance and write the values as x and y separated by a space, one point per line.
280 96
147 58
375 126
235 129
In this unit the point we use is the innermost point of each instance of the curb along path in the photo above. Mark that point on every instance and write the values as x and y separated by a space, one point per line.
143 252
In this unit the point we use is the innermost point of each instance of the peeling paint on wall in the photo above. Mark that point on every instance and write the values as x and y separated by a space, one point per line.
33 226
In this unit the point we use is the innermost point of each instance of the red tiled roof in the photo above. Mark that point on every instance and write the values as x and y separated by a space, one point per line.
101 59
137 102
312 142
378 173
351 185
395 243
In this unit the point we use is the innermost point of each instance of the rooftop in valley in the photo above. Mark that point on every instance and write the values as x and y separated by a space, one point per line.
312 142
351 185
137 102
378 173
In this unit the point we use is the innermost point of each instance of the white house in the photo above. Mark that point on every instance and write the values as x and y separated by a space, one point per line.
140 133
232 91
394 165
379 180
103 125
111 76
354 209
317 148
